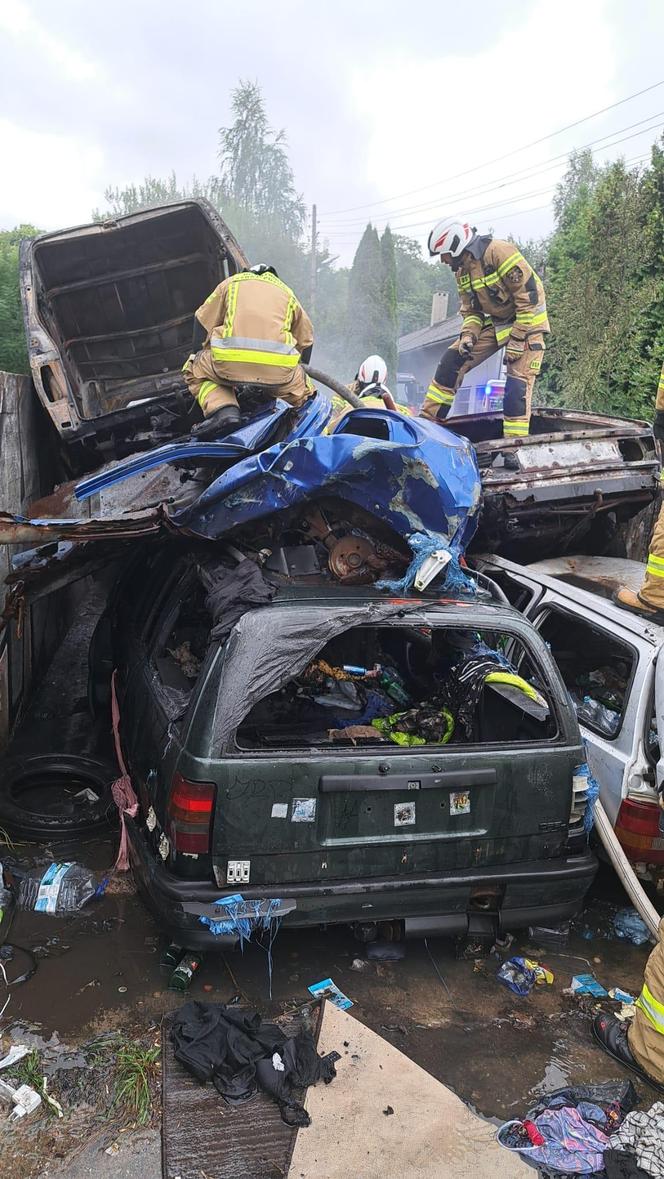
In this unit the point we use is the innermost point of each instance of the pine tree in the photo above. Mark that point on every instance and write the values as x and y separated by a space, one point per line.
365 300
386 343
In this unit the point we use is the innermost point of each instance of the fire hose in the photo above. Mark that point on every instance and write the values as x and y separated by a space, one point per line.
625 871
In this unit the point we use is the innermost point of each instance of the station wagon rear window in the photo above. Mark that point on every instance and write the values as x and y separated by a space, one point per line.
407 686
597 669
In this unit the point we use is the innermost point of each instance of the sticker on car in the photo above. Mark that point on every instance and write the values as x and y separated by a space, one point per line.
404 814
279 810
304 810
460 802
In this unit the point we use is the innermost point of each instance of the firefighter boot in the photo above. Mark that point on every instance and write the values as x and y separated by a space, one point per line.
223 421
635 604
612 1036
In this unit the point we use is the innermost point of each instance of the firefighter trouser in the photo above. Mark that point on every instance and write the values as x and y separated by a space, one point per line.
212 393
652 590
521 376
646 1033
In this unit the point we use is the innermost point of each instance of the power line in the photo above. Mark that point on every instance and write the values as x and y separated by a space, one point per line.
520 174
500 217
505 156
397 227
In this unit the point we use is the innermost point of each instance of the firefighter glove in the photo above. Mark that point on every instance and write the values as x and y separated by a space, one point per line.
658 427
466 345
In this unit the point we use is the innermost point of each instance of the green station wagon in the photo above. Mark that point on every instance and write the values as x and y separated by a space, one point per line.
344 753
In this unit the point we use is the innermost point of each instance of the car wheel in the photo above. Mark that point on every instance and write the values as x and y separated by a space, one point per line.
57 794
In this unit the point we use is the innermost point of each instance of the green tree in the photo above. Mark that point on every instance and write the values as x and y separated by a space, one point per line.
365 300
417 280
13 352
386 343
256 174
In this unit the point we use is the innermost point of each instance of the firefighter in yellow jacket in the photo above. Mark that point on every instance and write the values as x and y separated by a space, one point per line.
255 332
640 1044
502 305
649 601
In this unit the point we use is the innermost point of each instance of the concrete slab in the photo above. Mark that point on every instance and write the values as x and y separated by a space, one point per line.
385 1117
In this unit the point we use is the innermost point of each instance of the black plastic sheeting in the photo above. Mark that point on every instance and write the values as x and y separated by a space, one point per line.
270 646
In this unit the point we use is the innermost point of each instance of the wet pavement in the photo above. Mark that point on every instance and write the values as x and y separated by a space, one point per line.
98 972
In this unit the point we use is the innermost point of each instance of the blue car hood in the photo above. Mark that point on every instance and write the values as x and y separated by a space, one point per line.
418 478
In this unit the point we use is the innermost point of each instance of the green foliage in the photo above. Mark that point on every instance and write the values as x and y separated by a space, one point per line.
605 288
372 321
255 170
416 282
13 353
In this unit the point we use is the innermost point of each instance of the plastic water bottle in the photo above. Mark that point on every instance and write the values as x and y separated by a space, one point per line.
62 888
594 713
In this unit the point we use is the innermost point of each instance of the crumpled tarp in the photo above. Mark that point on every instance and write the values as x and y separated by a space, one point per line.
270 646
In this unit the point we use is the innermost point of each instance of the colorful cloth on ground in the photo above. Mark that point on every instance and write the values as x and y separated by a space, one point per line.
642 1133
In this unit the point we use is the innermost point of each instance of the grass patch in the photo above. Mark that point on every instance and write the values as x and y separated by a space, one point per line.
136 1075
28 1071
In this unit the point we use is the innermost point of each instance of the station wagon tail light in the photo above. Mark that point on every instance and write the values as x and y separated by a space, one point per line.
190 810
637 830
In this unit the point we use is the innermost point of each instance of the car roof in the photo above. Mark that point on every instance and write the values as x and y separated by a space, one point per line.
592 581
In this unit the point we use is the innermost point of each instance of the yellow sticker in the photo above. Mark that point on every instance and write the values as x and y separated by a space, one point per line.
536 364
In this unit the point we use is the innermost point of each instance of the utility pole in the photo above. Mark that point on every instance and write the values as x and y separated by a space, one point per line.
312 289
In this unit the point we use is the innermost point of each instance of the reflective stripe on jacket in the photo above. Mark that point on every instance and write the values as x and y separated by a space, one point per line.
256 329
500 286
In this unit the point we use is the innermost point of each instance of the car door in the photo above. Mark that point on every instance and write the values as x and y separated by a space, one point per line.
578 641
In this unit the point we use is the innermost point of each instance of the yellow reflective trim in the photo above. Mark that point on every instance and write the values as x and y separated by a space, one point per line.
524 317
515 429
252 356
509 263
652 1009
516 681
656 560
439 396
535 319
472 319
204 391
503 333
288 321
655 567
231 306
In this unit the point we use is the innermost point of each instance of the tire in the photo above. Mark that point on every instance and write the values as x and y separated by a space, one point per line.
37 795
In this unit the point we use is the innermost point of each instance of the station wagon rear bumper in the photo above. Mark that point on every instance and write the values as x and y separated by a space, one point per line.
537 893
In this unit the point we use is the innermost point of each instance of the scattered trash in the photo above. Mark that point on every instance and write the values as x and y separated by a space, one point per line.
550 937
16 1053
386 951
24 1099
327 989
587 984
522 974
122 990
627 1011
62 888
171 955
358 964
628 924
502 943
388 1110
621 996
184 972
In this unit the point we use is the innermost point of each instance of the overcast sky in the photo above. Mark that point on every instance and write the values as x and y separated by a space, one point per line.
389 106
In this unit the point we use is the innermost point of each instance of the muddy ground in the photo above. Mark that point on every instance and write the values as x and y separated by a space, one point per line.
99 986
99 973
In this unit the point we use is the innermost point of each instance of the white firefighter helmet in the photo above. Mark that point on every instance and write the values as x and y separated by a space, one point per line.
450 236
372 372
